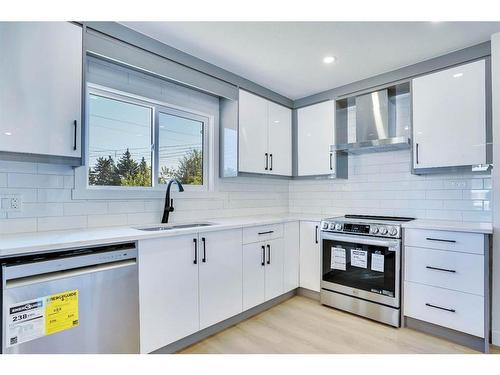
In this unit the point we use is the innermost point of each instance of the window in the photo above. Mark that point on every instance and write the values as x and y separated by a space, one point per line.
139 143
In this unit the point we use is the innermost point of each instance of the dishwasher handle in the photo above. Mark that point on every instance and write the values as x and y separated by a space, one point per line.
75 272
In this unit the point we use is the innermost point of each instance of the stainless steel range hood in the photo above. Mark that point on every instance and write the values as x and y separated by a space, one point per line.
375 122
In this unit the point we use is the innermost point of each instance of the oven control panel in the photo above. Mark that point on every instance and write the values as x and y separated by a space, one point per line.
368 229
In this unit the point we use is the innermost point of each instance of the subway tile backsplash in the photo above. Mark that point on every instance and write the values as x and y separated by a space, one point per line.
378 183
381 184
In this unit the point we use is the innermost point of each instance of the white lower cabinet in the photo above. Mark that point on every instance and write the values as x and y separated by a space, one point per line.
187 283
291 256
220 276
310 261
168 291
262 272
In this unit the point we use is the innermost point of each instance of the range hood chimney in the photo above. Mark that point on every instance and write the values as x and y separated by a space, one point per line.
377 121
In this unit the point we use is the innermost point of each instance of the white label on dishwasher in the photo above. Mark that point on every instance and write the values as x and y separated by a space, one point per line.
25 321
338 261
359 258
377 262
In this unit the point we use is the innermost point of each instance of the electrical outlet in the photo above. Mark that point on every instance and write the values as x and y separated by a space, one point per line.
15 203
11 203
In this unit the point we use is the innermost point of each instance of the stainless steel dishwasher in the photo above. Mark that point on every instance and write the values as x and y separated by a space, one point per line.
79 301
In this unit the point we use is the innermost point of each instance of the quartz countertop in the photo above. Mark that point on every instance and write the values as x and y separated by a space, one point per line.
455 226
38 242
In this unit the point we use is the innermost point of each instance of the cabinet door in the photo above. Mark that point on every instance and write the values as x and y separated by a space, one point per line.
310 273
280 140
252 134
449 109
220 255
315 134
291 256
168 291
254 259
41 86
274 268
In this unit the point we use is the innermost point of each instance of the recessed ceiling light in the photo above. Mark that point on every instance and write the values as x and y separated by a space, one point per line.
329 59
458 75
7 133
276 121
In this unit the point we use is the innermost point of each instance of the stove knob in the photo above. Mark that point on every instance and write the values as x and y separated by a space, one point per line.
338 226
383 230
324 225
332 226
373 230
393 231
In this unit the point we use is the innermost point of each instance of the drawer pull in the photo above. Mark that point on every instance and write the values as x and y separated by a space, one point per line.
440 240
440 308
268 232
440 269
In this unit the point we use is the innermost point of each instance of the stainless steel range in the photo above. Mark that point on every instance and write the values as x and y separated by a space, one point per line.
361 265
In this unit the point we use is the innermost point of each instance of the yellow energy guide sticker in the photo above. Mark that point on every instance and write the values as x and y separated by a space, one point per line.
61 312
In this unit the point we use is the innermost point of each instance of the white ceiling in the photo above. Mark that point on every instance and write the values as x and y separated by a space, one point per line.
286 57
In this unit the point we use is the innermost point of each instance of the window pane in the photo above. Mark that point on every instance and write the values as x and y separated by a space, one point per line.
180 149
119 143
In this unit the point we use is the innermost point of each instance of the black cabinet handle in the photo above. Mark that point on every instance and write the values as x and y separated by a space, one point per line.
440 308
263 256
271 160
267 161
331 162
316 234
268 232
416 151
195 241
268 254
204 259
440 269
75 124
440 240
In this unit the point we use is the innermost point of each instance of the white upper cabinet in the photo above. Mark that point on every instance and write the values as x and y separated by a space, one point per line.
280 140
41 87
265 136
315 134
449 112
253 134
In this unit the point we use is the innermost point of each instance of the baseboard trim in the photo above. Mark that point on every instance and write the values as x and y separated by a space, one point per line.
216 328
473 342
308 293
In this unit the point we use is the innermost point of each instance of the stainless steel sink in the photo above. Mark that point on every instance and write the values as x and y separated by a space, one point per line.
157 228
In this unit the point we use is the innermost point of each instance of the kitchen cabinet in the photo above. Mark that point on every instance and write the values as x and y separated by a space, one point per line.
449 109
187 283
310 262
291 256
168 290
220 267
40 94
262 272
265 136
315 134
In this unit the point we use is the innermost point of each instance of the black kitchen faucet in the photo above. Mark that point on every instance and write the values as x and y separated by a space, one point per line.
169 202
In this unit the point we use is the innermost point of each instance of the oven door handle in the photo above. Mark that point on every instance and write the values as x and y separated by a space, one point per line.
392 245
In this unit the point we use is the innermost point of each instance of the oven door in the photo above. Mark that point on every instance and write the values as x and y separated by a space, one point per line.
364 267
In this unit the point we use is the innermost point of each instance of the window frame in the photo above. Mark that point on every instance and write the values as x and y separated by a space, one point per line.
83 190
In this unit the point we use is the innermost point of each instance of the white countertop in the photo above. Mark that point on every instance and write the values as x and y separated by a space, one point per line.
29 243
455 226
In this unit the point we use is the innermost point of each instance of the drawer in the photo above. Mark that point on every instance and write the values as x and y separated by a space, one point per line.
428 303
445 240
447 269
262 233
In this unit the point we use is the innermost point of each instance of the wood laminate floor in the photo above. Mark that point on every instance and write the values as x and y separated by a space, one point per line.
301 325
